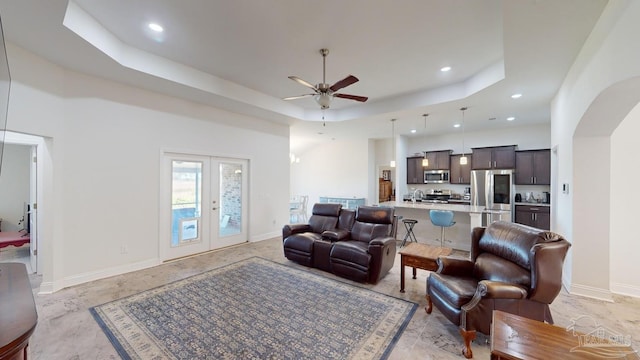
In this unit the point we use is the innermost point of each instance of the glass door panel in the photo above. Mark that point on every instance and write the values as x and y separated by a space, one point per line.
231 188
230 199
186 202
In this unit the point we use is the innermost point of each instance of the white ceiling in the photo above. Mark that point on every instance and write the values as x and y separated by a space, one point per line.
237 55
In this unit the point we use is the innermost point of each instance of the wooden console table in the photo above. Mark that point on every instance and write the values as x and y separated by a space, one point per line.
514 338
18 317
420 256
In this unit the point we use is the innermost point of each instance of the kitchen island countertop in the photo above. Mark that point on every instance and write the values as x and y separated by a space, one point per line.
471 209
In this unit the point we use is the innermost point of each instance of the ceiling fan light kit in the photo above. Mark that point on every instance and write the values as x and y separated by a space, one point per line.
323 92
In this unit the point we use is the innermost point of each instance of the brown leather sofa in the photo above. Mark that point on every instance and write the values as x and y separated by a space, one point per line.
353 244
512 268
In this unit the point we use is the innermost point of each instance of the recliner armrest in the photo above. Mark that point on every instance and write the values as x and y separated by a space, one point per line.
381 241
501 290
450 265
290 229
488 289
336 234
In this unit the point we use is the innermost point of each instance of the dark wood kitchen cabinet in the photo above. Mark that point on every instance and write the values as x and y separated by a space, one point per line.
460 174
532 215
438 160
415 172
533 167
497 157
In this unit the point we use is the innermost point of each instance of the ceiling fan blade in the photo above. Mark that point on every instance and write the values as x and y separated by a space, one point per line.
298 97
352 97
343 83
303 82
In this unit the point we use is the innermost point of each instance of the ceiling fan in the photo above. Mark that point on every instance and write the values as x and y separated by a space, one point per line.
323 92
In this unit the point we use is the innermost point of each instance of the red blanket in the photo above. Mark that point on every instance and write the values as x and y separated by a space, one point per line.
15 238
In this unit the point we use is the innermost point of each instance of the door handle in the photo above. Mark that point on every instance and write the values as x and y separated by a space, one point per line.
214 208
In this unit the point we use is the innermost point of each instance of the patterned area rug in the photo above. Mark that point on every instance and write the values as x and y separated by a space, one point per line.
255 309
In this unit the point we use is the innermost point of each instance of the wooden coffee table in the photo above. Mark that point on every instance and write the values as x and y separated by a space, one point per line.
420 256
514 337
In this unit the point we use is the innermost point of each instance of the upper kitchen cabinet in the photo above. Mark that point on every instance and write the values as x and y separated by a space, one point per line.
498 157
438 160
415 171
533 167
460 174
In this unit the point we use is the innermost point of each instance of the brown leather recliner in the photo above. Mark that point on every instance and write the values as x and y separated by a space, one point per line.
357 245
298 239
512 268
369 251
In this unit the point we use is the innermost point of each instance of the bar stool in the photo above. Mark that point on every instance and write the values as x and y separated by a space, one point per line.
409 224
442 218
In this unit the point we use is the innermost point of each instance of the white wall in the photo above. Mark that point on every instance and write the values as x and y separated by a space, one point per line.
14 185
625 244
336 168
105 141
595 97
526 137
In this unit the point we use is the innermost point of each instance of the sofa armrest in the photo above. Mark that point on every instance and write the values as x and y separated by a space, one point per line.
290 229
450 265
383 254
381 241
336 234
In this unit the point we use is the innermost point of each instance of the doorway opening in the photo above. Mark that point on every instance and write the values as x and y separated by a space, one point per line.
21 181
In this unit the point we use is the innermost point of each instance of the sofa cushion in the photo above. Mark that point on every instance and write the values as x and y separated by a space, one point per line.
302 242
457 291
346 219
372 222
324 217
352 252
513 241
494 268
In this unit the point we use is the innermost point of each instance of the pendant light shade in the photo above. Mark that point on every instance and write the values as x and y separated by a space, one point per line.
463 158
425 161
393 146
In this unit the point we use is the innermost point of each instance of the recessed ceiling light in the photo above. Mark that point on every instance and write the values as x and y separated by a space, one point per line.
456 125
445 69
155 27
516 96
413 131
511 118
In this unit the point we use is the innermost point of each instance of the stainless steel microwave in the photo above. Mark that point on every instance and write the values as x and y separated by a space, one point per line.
436 176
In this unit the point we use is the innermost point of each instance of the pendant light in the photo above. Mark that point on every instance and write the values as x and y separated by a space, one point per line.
425 161
393 139
463 158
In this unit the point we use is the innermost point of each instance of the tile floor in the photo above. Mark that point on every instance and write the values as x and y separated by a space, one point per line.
66 330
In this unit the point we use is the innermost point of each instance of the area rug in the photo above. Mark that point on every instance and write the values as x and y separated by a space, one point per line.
255 309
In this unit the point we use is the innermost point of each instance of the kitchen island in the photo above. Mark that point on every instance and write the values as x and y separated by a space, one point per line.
458 236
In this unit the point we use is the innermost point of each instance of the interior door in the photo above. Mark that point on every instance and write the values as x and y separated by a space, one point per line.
33 211
204 204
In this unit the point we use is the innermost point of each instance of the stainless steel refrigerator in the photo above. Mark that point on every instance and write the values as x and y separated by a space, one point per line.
493 190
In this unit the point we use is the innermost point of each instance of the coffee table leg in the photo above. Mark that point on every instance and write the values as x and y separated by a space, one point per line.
401 273
414 273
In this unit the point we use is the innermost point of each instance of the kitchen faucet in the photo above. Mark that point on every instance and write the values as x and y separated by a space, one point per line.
416 191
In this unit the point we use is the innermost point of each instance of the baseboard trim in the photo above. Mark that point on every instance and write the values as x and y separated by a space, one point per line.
624 289
46 288
265 236
591 292
101 274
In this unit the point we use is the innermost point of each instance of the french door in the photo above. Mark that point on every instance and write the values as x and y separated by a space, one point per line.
203 204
